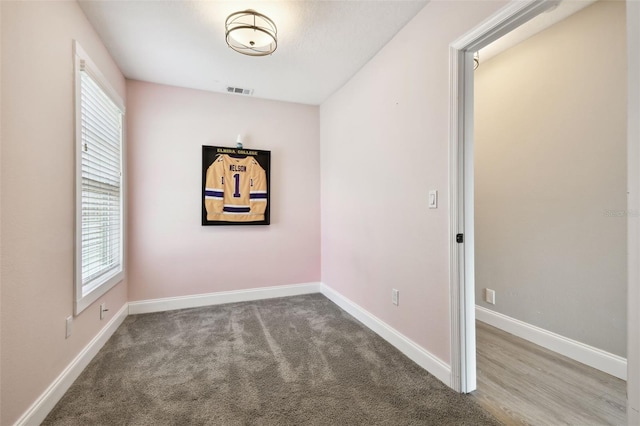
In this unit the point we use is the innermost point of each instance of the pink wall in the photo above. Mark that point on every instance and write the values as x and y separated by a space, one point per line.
170 253
384 145
38 198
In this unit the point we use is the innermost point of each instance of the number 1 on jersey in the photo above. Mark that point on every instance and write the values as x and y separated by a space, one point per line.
236 192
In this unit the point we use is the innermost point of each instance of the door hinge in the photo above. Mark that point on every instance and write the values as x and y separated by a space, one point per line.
459 238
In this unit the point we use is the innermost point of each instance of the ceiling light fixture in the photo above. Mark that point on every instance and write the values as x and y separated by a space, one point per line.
251 33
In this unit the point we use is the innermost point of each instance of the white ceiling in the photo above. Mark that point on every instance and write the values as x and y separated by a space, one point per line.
321 43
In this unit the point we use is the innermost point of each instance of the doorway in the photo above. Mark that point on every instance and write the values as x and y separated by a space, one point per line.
550 185
462 185
548 136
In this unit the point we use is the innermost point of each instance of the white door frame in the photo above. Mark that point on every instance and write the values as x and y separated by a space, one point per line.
462 286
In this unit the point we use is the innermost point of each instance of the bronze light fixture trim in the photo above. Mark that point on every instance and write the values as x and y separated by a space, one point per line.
251 33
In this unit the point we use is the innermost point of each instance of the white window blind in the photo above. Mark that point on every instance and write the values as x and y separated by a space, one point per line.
101 195
101 123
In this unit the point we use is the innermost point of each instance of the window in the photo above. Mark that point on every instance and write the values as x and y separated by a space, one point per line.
99 184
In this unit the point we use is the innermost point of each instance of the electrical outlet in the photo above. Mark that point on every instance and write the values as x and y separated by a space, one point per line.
490 296
68 329
103 310
394 296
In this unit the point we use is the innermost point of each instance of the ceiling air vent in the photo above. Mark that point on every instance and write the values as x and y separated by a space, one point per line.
240 91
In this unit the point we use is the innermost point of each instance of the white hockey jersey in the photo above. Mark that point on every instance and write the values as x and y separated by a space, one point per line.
235 190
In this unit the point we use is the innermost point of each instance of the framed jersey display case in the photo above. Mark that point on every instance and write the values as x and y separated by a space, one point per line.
235 186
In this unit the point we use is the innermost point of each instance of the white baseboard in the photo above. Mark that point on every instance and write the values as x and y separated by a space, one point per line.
198 300
593 357
50 397
416 353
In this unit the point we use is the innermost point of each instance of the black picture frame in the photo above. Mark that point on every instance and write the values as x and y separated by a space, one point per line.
213 153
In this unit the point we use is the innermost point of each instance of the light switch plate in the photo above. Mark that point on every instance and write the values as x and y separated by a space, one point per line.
433 199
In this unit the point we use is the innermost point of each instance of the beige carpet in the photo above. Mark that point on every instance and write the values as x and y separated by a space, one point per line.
290 361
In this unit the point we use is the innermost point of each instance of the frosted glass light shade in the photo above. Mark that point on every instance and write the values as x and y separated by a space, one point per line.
251 33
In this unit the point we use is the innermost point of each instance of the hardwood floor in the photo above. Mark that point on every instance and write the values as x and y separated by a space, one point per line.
522 383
